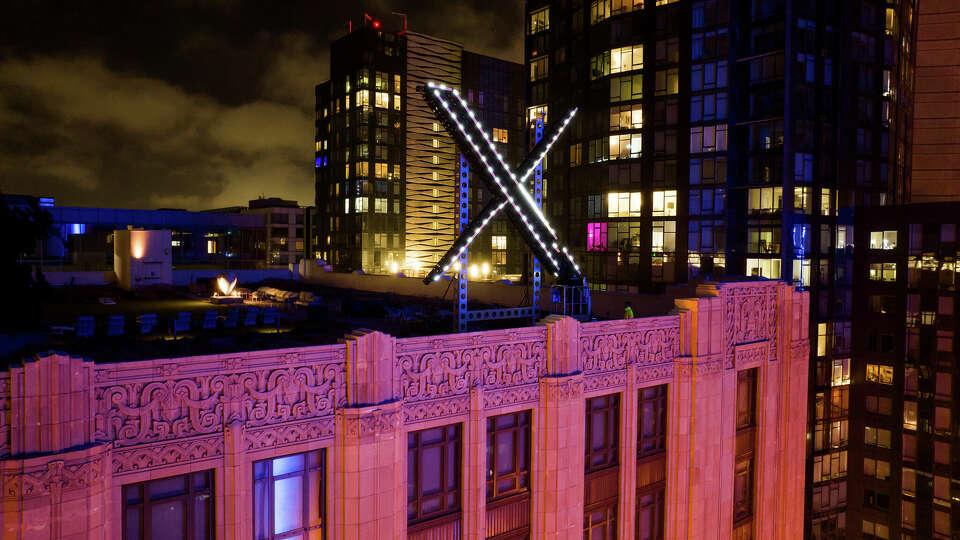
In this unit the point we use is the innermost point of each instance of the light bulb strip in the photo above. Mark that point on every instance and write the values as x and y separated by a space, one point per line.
507 190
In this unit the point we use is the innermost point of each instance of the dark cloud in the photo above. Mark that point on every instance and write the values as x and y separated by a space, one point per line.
187 104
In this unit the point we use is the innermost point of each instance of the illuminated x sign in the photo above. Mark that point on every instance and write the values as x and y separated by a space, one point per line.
508 187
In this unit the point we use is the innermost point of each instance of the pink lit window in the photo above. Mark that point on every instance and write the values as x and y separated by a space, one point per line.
596 236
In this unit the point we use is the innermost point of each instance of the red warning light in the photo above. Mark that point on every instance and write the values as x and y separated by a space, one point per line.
376 24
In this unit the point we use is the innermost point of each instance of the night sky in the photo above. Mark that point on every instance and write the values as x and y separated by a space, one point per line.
196 105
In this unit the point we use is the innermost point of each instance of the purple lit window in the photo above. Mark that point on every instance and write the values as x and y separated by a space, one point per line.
288 496
319 162
596 236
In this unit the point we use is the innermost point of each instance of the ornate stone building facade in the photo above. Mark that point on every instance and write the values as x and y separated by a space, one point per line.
684 425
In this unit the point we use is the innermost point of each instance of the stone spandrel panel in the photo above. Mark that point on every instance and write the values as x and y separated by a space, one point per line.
613 345
434 374
147 402
749 315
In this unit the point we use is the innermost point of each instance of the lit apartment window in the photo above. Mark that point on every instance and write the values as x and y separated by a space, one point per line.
177 506
396 102
436 143
380 170
596 236
500 135
873 436
576 154
663 237
619 60
211 247
883 271
360 205
826 197
380 205
624 204
362 169
830 466
498 242
436 127
539 68
667 82
883 239
626 88
539 21
765 200
875 531
841 372
626 117
626 59
802 199
876 468
363 98
766 268
435 159
534 113
665 203
288 496
434 192
383 100
433 472
708 139
625 146
879 373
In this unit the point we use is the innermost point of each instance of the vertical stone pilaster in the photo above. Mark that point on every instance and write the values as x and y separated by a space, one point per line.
237 482
51 404
626 513
474 477
563 345
558 459
369 480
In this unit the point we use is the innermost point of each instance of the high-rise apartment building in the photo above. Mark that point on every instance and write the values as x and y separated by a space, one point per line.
936 127
387 171
904 456
730 136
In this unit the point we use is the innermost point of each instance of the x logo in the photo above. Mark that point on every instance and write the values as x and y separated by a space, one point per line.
509 187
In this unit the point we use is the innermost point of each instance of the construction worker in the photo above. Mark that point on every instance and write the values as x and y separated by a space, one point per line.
627 311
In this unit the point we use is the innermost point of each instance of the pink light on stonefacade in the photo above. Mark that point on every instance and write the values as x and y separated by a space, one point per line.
465 435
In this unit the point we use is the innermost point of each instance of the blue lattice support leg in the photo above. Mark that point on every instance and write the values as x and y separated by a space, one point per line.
538 198
463 202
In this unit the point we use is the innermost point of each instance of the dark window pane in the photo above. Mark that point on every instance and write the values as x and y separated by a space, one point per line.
261 507
168 520
201 509
132 531
505 442
430 472
131 494
168 487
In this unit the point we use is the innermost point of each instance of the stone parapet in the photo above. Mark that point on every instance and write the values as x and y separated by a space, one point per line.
73 432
